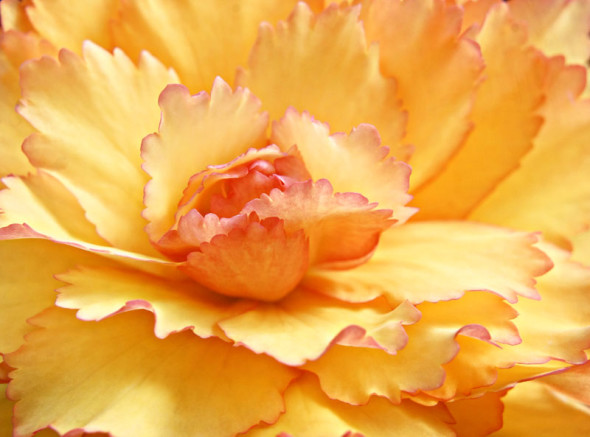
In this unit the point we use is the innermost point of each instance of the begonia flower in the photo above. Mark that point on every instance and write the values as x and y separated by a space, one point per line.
271 217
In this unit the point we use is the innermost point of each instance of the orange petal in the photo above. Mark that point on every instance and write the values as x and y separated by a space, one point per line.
436 261
551 190
201 40
475 12
437 71
557 325
28 287
105 376
477 416
343 228
532 408
195 132
6 407
508 98
260 261
88 103
574 382
358 162
321 64
43 203
310 413
98 293
13 15
15 48
419 365
67 24
557 27
309 323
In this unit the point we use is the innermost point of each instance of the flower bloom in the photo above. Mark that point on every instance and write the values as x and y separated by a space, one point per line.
295 218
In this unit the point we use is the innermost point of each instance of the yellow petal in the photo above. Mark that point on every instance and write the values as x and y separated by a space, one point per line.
532 408
43 203
310 413
556 326
557 27
477 416
321 64
436 261
67 24
201 40
550 191
108 376
437 71
28 287
195 132
419 365
581 250
91 120
15 48
358 162
505 122
304 324
98 293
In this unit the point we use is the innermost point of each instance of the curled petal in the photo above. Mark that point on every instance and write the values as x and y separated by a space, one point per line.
260 261
343 228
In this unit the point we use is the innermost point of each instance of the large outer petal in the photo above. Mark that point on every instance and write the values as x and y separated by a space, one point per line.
357 161
28 287
115 376
303 325
92 114
477 416
574 382
200 39
436 69
321 64
551 189
195 132
557 27
98 293
15 48
435 261
310 414
532 408
353 374
505 121
67 24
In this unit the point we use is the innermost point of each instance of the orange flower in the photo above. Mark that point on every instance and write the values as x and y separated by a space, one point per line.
220 194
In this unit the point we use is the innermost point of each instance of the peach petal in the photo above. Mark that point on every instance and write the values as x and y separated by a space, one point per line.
477 417
326 417
15 48
437 71
116 371
98 293
260 261
557 27
510 97
308 323
574 382
200 40
322 64
82 21
343 228
419 365
105 175
534 409
358 162
195 132
433 261
550 191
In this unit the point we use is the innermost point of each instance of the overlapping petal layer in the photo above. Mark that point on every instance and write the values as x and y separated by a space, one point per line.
438 86
105 376
434 261
91 121
321 64
477 416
